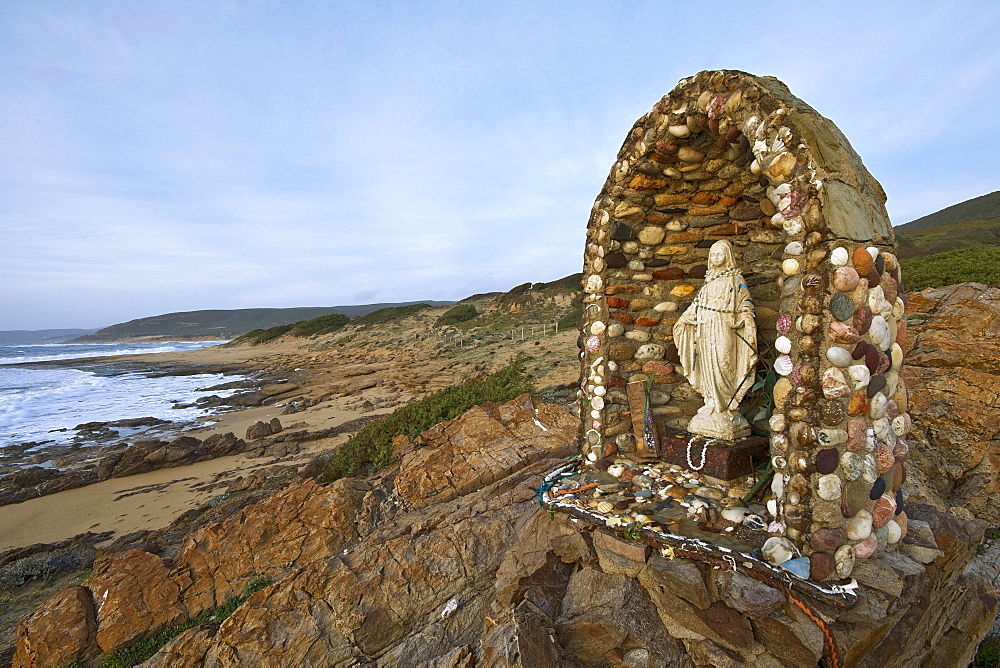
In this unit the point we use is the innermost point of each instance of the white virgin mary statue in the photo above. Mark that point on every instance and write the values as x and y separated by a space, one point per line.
716 338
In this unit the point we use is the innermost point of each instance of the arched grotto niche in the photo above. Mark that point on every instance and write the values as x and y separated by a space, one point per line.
728 155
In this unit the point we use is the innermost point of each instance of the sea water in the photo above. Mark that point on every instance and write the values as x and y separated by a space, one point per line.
44 404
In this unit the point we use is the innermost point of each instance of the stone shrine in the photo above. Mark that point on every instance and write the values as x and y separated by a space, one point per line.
732 161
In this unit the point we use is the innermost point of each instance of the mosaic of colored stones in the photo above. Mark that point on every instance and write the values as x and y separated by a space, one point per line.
727 155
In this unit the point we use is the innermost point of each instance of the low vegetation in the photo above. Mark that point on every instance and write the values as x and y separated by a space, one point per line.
572 318
456 314
980 264
371 448
45 566
390 314
144 649
325 324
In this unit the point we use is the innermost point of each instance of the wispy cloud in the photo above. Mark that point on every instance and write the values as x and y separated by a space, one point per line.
159 157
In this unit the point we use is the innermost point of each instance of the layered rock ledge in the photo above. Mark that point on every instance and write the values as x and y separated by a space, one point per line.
448 559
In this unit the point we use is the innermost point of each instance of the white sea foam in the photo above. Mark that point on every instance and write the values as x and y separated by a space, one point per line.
37 402
45 352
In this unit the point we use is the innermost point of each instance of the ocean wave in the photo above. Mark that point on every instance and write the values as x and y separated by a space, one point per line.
36 403
16 354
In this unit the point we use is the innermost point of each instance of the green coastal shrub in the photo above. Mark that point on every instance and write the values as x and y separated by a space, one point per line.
147 647
390 313
456 314
371 448
324 324
44 566
979 263
572 318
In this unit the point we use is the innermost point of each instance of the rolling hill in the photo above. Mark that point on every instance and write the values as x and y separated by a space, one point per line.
984 207
221 324
957 244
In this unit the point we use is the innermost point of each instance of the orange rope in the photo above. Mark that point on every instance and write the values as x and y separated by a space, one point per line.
831 643
558 492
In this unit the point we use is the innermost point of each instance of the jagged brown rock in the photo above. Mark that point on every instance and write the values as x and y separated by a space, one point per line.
60 632
952 369
474 571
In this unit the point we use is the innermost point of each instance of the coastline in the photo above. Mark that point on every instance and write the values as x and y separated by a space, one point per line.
153 499
322 395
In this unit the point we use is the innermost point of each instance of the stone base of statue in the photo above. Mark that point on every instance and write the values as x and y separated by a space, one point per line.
724 461
713 424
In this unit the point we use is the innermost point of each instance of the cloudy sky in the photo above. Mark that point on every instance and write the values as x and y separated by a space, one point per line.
173 156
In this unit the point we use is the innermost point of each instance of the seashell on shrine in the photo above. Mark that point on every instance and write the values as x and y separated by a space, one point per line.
783 345
790 266
597 327
778 550
839 257
793 226
794 248
783 365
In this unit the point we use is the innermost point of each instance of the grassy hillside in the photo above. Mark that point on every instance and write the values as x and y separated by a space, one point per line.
223 324
923 241
954 245
978 263
985 207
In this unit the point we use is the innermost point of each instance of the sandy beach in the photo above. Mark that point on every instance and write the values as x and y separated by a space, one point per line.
336 387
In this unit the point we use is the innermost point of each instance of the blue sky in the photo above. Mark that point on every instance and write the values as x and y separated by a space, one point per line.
172 156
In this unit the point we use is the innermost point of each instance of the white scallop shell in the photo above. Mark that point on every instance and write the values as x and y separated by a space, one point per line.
783 365
600 391
597 327
597 403
839 256
783 345
794 248
790 266
873 251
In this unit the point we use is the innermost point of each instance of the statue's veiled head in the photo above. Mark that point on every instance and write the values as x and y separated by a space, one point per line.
720 255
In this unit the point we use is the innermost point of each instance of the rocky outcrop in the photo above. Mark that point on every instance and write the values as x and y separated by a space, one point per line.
60 632
953 368
447 559
153 454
